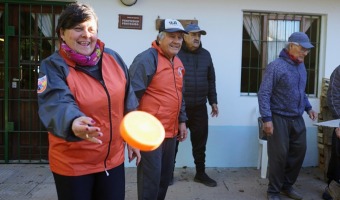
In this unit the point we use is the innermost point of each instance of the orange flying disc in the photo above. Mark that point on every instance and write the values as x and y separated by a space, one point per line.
142 130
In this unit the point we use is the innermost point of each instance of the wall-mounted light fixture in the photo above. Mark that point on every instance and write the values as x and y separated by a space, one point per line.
129 2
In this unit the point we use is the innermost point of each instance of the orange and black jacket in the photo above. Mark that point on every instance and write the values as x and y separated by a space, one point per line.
67 91
158 84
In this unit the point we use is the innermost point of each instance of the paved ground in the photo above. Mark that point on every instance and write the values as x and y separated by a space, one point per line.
35 182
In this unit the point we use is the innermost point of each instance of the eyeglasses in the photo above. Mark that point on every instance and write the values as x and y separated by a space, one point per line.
302 49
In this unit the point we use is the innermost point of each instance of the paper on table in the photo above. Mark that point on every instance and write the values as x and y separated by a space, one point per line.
331 123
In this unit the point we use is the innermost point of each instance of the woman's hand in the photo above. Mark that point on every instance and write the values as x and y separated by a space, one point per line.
83 127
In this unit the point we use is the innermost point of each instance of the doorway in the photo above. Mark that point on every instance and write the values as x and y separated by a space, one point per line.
26 37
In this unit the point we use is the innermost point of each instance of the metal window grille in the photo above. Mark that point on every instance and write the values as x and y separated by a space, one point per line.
27 35
264 36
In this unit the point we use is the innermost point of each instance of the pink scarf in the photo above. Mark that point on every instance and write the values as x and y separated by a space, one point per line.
80 59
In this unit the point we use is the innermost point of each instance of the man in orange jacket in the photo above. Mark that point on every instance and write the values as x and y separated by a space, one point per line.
157 79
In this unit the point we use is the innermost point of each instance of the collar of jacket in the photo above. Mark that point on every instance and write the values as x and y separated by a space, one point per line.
284 54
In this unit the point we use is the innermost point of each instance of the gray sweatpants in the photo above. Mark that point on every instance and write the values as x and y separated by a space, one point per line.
286 152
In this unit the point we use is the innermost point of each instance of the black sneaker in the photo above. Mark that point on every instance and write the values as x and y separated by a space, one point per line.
205 179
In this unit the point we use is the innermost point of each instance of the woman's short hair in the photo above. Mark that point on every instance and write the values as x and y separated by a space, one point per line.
73 15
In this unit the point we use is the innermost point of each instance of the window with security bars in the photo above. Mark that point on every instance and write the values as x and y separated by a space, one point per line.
265 35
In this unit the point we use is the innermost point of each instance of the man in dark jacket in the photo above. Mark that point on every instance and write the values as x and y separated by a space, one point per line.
199 82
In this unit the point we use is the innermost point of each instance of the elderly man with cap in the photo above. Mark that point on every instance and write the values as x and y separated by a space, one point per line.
157 79
282 102
200 87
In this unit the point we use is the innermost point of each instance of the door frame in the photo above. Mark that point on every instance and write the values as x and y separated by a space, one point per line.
9 31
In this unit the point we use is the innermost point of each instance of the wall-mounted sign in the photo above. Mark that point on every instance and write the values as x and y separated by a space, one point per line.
130 21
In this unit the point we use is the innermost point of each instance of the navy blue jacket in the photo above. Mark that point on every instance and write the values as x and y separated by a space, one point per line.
282 90
199 79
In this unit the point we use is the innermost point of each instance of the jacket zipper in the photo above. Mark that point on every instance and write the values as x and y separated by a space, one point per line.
110 117
299 81
195 66
179 103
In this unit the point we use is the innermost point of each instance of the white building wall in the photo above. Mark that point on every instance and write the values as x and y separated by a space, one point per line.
233 135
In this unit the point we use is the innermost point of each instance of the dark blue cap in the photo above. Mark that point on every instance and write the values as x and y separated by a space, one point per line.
194 28
301 38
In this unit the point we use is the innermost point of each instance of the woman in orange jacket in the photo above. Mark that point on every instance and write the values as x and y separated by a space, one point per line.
83 93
